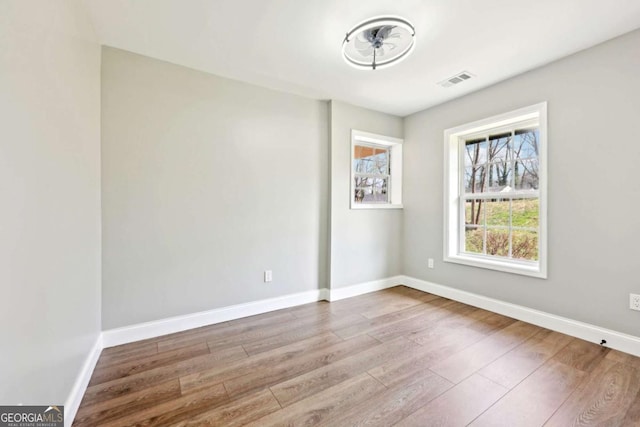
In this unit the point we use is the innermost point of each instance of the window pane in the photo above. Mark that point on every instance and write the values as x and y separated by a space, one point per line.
525 245
362 187
526 175
371 190
474 212
473 239
372 160
525 212
475 152
525 143
500 147
497 212
498 242
474 179
499 177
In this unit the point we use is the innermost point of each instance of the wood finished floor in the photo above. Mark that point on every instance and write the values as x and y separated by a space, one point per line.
394 357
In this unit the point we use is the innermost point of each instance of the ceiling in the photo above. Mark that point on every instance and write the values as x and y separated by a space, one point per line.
295 45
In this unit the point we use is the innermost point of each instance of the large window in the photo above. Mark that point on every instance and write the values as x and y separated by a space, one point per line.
496 193
376 171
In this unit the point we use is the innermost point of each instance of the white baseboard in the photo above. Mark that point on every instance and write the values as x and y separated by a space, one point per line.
336 294
142 331
82 380
616 340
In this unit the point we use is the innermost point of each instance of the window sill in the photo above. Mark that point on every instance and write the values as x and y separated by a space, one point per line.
504 266
376 206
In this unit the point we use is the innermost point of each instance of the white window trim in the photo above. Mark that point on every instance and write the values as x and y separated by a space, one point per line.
395 182
452 238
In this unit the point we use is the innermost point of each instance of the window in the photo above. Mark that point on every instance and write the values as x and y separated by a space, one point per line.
495 206
376 171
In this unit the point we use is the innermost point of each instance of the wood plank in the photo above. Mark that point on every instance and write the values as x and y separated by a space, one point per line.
627 359
364 302
602 400
462 316
129 348
108 410
463 364
210 361
133 383
313 309
218 374
397 303
371 325
418 323
145 379
535 399
287 369
459 405
490 322
175 410
271 334
126 354
107 373
302 386
300 332
582 355
225 330
520 362
632 417
414 293
391 406
445 343
237 412
324 407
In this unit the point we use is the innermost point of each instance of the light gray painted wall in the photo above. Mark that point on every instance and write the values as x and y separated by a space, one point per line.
207 182
594 197
50 198
366 244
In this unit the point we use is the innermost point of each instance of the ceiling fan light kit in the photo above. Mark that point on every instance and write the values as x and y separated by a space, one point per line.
379 43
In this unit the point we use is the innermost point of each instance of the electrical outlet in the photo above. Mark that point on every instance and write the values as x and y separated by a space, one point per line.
634 302
268 276
430 263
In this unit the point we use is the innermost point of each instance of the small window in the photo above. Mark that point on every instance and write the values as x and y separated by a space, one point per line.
495 206
376 171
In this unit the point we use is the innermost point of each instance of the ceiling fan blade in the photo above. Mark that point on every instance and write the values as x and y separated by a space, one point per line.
384 31
361 44
366 52
390 46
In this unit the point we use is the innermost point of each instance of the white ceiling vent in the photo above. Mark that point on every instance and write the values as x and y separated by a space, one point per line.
458 78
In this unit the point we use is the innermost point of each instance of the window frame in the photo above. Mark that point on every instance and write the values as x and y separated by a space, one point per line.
394 183
454 192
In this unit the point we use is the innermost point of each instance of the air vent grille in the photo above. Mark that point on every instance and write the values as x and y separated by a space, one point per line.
457 79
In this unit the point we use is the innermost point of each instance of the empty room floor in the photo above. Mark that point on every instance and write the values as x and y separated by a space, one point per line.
393 357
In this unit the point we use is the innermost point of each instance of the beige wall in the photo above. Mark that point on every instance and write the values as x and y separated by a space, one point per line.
594 198
366 244
207 182
50 198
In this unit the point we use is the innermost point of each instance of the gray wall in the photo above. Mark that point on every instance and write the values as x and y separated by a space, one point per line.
366 244
594 197
207 182
50 198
